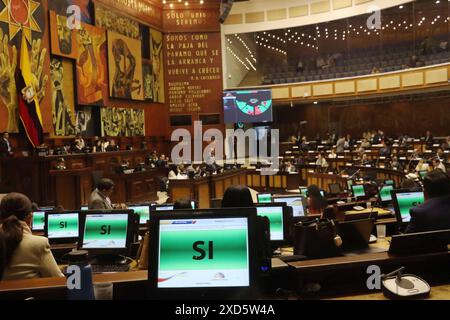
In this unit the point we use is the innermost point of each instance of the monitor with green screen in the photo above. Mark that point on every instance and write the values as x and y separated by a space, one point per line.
264 198
404 201
143 211
105 231
423 174
62 225
275 215
389 182
203 252
385 193
358 191
38 221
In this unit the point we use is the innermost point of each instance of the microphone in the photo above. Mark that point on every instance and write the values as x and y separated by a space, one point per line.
357 171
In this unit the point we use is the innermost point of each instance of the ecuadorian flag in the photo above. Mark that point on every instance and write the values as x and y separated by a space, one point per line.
29 110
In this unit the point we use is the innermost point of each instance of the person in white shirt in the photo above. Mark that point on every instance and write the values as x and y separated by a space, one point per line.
437 164
332 154
422 166
321 161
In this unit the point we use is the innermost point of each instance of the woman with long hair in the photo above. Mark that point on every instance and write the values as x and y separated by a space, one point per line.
316 202
26 256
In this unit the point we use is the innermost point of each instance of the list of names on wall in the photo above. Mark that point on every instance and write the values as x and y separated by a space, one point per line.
194 73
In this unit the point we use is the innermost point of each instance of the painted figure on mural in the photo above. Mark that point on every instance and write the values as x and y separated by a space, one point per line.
124 83
8 91
62 115
91 69
64 35
157 69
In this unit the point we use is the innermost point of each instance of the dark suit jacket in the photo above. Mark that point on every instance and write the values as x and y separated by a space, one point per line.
432 215
3 147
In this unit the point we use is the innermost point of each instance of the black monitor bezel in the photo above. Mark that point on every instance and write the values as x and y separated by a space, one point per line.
204 293
287 219
61 240
132 229
398 215
304 202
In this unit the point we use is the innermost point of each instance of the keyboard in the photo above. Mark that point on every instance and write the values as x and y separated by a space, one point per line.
108 268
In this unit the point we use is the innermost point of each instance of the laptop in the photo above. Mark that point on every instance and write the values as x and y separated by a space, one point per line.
355 234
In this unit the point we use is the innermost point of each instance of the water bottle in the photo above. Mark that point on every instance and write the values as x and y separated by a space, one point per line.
79 276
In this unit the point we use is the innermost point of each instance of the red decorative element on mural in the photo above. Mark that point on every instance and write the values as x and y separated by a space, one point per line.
19 11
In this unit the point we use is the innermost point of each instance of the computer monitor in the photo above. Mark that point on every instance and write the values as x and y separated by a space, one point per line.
203 254
264 198
349 184
389 182
322 193
62 227
38 221
419 243
423 174
106 232
279 221
84 207
142 210
162 207
335 188
385 193
303 190
297 202
358 191
404 200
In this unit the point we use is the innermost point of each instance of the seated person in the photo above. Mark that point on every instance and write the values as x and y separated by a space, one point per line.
395 164
365 160
237 197
77 148
333 154
99 199
112 146
96 144
316 202
104 145
80 141
385 151
182 204
26 256
5 145
434 213
162 161
438 165
365 143
321 161
173 172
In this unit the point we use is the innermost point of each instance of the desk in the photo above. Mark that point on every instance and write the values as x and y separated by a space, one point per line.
437 293
127 285
42 184
205 188
345 275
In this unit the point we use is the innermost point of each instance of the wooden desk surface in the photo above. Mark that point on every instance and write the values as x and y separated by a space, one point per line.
437 293
117 277
379 256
